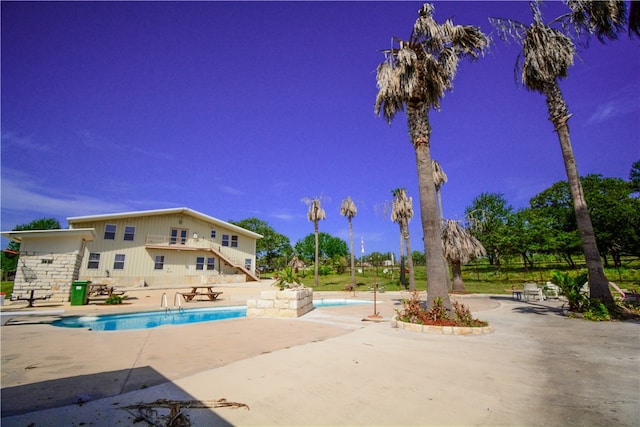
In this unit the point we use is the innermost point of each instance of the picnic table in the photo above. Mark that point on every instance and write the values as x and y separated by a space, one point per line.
205 290
31 298
96 289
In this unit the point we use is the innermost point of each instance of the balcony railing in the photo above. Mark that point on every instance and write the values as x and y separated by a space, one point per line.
195 243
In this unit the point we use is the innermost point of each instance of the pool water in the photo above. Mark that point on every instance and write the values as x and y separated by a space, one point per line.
152 319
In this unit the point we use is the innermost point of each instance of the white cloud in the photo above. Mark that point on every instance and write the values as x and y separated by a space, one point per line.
283 216
613 108
231 190
10 139
22 196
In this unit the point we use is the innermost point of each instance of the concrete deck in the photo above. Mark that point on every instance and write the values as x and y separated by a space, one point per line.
327 368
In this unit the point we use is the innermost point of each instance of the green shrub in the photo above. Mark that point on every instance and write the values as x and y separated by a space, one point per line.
571 288
115 299
596 311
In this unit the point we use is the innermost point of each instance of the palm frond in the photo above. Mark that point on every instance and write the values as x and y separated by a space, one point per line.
439 177
402 209
458 244
316 213
604 18
422 68
348 208
548 54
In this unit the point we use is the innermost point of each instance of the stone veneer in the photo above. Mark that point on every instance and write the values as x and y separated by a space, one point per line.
441 330
288 303
47 274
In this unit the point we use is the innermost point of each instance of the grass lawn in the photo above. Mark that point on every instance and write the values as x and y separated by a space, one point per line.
480 278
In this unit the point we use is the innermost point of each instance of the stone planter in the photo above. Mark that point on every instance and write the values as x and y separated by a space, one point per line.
440 330
287 304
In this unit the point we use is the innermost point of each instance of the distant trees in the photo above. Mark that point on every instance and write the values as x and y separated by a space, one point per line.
273 249
401 213
348 210
329 247
315 215
548 225
488 217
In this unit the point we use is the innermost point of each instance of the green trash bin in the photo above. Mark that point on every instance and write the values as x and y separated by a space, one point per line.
79 293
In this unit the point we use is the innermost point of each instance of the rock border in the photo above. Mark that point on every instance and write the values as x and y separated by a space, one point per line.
441 330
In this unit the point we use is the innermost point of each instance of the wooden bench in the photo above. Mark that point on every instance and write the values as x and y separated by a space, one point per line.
189 296
5 316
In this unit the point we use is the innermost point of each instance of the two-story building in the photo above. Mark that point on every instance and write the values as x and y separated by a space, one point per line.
161 247
166 247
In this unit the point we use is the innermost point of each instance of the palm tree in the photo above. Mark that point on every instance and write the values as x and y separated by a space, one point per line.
402 212
459 247
415 76
547 53
439 179
315 214
348 209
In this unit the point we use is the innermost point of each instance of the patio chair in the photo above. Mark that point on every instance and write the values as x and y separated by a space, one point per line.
626 295
532 290
551 290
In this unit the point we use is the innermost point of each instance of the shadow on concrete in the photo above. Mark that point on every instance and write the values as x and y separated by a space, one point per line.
78 390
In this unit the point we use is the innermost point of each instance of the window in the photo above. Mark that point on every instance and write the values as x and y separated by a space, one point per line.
178 235
118 263
129 232
225 240
200 263
47 260
94 260
213 234
211 263
247 264
110 232
159 262
234 241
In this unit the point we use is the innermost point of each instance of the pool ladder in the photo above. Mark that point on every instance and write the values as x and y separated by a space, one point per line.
176 302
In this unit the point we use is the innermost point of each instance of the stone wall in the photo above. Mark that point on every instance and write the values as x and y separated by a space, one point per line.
46 274
288 303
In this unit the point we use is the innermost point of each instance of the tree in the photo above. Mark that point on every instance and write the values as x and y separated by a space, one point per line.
553 211
401 213
547 53
439 179
415 76
10 262
272 246
459 247
329 247
488 217
634 176
349 210
615 216
315 215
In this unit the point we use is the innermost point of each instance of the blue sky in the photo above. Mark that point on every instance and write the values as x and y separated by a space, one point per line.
243 109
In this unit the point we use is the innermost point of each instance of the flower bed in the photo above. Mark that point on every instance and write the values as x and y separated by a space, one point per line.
441 329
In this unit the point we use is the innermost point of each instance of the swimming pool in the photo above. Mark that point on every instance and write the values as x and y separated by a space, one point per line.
152 319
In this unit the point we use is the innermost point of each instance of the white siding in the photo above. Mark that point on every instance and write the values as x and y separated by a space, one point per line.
179 265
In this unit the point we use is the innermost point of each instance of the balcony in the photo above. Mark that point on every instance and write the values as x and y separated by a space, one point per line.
181 244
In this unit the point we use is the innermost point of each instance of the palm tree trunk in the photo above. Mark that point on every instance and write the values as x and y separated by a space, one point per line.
558 114
353 264
437 274
315 273
458 283
405 233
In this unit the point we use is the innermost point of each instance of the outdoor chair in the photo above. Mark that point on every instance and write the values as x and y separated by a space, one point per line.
551 290
532 290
